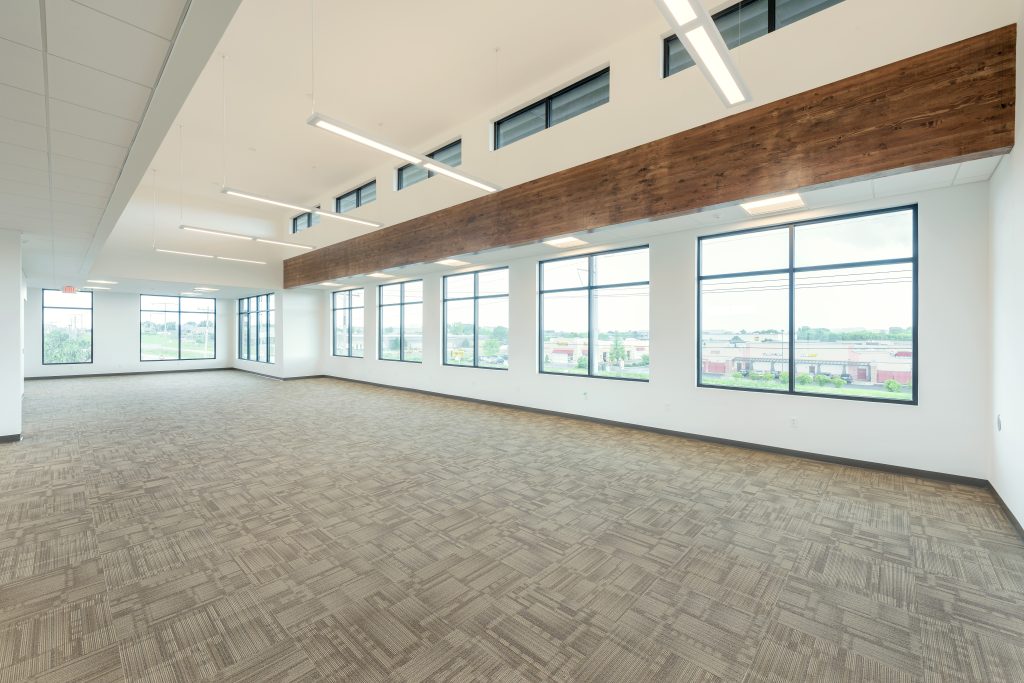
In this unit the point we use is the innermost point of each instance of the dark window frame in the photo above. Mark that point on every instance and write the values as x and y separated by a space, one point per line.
772 27
546 101
334 322
179 298
92 326
475 298
401 321
400 184
591 289
252 345
792 271
358 192
308 219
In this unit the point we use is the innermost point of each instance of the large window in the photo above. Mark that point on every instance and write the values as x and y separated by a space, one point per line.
348 323
67 327
595 315
363 194
410 174
177 328
400 318
476 319
305 221
744 22
824 307
578 98
256 328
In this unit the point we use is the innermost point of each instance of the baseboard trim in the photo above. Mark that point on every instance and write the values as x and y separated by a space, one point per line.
1009 513
279 379
820 457
10 438
122 374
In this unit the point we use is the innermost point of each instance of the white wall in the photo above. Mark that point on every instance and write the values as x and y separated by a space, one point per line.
1007 472
115 340
11 355
947 432
298 344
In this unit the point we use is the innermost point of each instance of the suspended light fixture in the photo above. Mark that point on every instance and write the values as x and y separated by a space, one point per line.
346 131
285 244
184 253
444 169
697 32
240 260
266 200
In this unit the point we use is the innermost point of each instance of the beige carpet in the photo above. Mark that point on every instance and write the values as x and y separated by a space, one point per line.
222 526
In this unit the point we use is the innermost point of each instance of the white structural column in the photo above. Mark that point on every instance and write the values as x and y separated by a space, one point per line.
12 315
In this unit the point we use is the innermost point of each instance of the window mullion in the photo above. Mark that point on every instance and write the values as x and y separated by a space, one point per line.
792 309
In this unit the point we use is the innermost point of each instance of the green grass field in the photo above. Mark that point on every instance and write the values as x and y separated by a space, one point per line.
772 385
165 347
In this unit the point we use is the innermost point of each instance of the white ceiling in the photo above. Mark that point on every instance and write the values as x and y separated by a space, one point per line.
73 91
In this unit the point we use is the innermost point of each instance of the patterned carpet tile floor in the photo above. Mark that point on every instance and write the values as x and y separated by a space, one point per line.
222 526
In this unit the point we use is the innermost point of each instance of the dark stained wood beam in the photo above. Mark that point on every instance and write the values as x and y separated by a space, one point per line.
951 104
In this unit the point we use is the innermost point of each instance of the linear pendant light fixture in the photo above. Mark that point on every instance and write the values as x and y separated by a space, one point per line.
266 200
235 235
444 169
697 31
219 258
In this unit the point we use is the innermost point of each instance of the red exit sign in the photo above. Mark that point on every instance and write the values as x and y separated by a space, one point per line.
68 289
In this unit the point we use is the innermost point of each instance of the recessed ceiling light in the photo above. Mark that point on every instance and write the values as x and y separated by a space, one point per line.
338 128
773 204
241 260
296 207
190 293
453 262
284 244
102 282
444 170
218 233
206 289
330 284
93 287
183 253
380 275
563 242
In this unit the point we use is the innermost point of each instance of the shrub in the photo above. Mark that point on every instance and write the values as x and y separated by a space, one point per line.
803 378
892 385
784 377
821 380
838 382
737 375
582 362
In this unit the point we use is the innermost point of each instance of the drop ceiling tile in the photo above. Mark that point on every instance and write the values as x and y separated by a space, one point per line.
21 105
22 134
918 181
22 66
87 87
24 174
977 170
85 149
89 123
23 156
85 36
79 184
20 189
85 169
19 21
161 18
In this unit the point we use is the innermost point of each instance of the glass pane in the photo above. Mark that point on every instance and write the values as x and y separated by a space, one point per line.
357 298
198 335
492 282
357 332
459 332
243 336
413 333
253 336
410 175
676 57
565 320
341 324
526 122
413 291
368 193
743 23
77 300
390 333
623 332
198 304
450 155
458 286
243 305
492 332
261 303
390 294
159 335
622 266
271 337
270 302
565 274
872 237
744 253
261 336
581 98
854 332
67 336
347 202
789 11
744 332
341 299
159 303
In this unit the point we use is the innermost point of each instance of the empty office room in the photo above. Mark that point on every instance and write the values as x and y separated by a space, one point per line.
591 340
